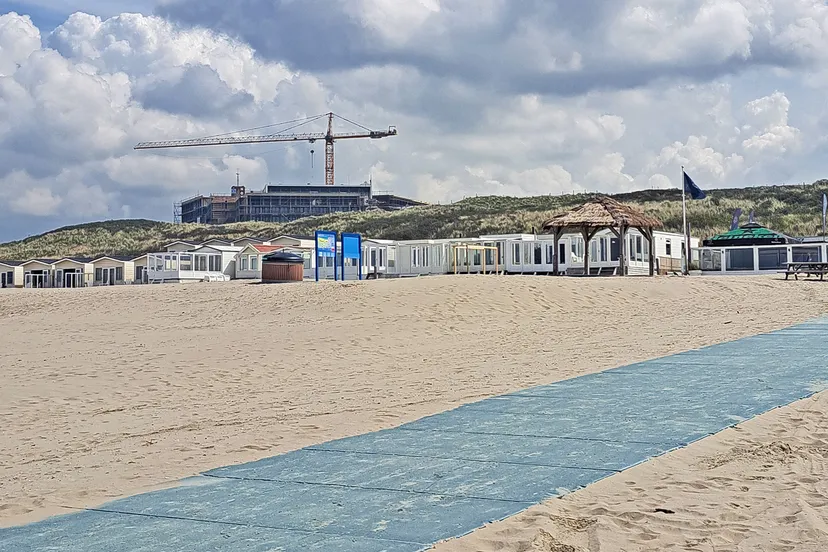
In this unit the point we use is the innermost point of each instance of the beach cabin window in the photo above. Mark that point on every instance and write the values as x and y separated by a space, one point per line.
214 263
254 262
805 254
476 258
538 253
639 249
99 275
201 263
773 258
593 251
187 262
527 253
392 258
646 251
516 254
668 248
425 256
739 259
139 273
550 253
244 263
562 253
615 249
119 274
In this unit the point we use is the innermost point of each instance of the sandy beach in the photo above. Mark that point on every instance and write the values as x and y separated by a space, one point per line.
113 391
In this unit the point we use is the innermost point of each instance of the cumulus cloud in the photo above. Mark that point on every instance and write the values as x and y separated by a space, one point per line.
489 96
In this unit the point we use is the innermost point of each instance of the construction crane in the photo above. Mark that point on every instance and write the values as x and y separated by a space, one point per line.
329 137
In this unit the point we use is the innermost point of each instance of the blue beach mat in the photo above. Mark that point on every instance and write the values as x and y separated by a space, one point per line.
442 476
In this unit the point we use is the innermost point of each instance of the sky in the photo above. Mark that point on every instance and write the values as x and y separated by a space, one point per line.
488 96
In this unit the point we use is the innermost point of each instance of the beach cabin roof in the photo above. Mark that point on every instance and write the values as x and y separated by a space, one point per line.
76 260
142 256
265 248
117 258
218 248
11 263
240 242
216 241
292 237
748 234
47 262
182 242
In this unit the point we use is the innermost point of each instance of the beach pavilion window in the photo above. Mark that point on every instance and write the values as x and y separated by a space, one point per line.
527 253
711 260
550 253
646 251
739 259
639 249
593 251
806 254
772 257
516 254
538 253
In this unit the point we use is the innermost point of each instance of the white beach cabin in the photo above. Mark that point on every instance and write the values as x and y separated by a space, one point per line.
37 273
11 274
140 269
113 270
72 272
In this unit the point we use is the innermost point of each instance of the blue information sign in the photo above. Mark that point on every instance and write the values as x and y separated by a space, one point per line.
352 249
325 245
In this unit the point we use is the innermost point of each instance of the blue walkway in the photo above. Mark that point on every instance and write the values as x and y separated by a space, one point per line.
401 490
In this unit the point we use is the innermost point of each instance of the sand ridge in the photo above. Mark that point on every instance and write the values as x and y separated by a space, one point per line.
113 391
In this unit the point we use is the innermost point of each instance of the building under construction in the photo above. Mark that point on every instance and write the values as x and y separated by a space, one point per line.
284 203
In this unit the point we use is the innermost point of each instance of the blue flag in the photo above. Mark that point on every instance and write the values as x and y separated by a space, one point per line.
691 189
734 224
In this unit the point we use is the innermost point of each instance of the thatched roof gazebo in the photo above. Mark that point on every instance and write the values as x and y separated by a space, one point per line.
604 213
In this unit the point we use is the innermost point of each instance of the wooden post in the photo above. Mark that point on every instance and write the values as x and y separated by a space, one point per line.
622 250
648 235
556 232
587 234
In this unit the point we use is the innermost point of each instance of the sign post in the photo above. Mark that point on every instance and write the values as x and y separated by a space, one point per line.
352 249
325 246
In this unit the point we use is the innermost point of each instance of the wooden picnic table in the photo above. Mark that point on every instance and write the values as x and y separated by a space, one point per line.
809 268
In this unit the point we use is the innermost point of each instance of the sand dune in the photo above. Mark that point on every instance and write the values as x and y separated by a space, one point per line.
112 391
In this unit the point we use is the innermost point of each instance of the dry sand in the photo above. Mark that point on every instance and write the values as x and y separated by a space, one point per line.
113 391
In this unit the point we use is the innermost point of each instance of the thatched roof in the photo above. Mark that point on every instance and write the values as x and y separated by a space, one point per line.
601 212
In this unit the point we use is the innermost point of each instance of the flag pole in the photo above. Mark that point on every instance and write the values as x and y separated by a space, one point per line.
684 225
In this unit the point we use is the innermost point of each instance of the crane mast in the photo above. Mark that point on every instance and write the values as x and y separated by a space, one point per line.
329 137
